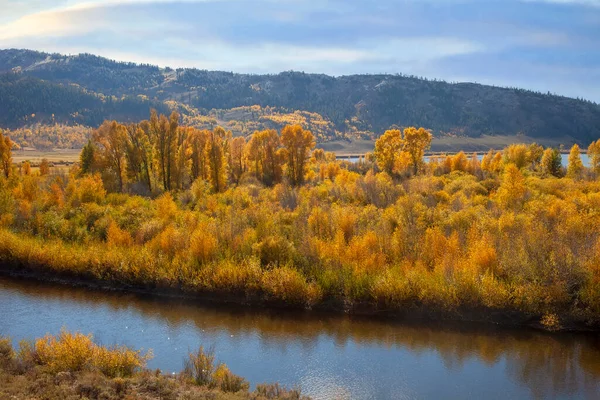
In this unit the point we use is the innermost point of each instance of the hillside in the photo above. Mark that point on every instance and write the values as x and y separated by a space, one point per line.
86 89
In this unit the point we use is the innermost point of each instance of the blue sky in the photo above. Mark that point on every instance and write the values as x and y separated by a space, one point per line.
546 45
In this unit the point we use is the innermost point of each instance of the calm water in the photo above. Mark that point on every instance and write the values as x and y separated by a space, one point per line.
328 356
564 157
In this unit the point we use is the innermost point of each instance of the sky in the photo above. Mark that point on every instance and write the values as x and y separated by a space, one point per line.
545 45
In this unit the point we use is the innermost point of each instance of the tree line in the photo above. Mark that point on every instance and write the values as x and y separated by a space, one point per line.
159 154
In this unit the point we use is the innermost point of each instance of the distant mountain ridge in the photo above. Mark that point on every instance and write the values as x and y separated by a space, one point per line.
86 89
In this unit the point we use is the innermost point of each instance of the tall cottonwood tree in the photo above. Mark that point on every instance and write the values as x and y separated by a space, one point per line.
297 144
264 156
237 159
594 155
217 149
199 166
5 154
387 149
111 140
575 167
139 154
416 141
164 133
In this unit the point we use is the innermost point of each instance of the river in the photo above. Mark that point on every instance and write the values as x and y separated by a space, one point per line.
327 356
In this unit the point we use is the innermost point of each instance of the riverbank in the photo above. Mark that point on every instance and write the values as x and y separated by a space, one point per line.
72 366
30 266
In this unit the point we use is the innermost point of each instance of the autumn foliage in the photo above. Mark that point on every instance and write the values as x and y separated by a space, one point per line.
513 231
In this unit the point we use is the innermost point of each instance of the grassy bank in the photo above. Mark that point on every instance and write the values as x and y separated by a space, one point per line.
72 366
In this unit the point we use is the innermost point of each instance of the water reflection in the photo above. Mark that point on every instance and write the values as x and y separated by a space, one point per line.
329 356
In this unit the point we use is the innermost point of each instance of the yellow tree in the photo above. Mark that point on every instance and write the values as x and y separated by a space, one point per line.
460 162
535 153
575 167
217 150
5 154
111 141
139 155
44 167
183 152
594 155
416 141
264 156
163 132
237 159
26 168
517 154
486 161
474 164
387 149
199 166
297 143
551 163
512 191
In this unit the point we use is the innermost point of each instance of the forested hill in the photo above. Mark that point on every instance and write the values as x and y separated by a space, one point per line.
38 87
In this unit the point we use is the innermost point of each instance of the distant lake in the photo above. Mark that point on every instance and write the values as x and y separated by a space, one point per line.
565 159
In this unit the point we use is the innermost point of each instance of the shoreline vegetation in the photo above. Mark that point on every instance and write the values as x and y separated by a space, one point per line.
269 220
70 365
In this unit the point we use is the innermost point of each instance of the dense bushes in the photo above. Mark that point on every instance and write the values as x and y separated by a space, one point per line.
462 235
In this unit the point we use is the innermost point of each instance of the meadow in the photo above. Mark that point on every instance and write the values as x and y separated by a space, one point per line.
170 209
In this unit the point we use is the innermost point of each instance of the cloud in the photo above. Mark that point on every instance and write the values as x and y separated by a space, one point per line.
452 39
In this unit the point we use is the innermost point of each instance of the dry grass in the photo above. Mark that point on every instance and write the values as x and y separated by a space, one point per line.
71 366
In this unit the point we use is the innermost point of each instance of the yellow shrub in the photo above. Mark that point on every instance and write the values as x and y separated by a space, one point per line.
225 380
77 352
203 244
288 285
166 208
118 361
65 352
118 237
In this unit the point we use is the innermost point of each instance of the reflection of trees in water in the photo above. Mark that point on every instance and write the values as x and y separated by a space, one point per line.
559 364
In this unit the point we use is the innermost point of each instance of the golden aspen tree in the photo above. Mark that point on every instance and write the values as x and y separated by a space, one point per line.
217 149
297 143
5 154
139 155
474 166
486 161
26 168
183 152
264 157
517 154
237 165
460 162
199 165
512 191
111 140
318 155
387 148
575 167
551 163
416 141
44 167
534 155
164 134
496 164
594 155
